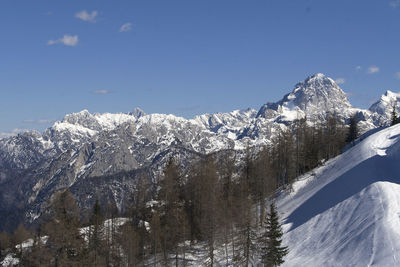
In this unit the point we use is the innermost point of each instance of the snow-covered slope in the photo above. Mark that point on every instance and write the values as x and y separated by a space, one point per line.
347 212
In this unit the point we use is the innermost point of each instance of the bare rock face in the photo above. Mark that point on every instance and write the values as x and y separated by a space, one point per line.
101 155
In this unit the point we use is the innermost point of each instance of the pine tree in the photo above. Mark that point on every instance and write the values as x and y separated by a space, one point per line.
394 118
272 251
353 130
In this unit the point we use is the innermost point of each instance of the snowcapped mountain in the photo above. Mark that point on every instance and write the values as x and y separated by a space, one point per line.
312 98
84 146
346 213
382 109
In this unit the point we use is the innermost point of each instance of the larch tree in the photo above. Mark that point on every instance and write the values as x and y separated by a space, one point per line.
97 243
208 204
65 239
174 220
21 235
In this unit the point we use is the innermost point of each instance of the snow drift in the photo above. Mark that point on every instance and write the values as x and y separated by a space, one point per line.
347 212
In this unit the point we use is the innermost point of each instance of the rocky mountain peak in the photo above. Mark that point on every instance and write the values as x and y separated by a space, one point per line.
137 113
313 97
83 118
381 110
386 102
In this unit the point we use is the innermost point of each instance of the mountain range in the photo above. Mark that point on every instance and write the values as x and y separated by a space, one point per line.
102 155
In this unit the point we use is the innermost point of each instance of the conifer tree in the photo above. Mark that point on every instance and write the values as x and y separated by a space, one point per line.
272 251
65 240
129 241
156 235
207 203
174 219
394 119
353 130
113 253
39 254
96 236
21 235
5 243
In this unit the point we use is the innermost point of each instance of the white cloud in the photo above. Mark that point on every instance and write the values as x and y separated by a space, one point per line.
68 40
395 3
358 68
340 80
397 75
85 16
372 69
101 92
126 27
12 133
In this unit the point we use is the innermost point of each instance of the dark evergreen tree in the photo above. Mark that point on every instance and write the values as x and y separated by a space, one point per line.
272 251
394 119
353 130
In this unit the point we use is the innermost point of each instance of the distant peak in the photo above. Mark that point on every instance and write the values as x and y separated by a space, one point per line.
137 113
316 95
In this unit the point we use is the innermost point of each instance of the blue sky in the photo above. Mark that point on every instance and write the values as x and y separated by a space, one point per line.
187 57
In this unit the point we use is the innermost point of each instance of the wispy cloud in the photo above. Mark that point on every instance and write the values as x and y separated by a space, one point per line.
125 27
340 80
85 16
395 3
101 92
41 121
397 75
372 69
358 68
68 40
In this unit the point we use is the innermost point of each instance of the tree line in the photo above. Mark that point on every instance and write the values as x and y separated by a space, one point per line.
217 204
